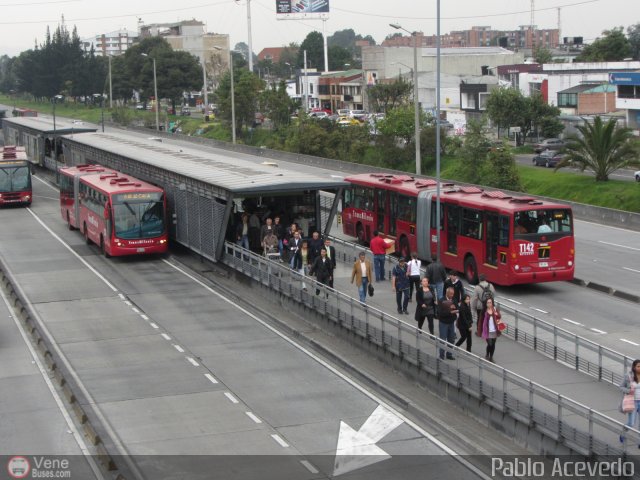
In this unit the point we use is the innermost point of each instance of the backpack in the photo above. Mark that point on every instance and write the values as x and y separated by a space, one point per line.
486 294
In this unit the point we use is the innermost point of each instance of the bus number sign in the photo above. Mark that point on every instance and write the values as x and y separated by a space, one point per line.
527 249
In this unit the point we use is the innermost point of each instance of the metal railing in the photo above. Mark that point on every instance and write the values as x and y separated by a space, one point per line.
572 350
569 422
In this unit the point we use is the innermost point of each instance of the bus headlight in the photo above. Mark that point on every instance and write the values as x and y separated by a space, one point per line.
517 267
163 241
570 263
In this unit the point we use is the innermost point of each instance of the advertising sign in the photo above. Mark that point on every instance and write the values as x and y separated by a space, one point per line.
302 6
624 78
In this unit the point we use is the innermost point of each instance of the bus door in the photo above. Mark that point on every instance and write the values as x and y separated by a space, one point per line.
393 212
381 210
453 220
491 238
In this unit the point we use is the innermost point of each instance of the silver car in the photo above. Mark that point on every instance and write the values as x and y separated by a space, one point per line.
549 144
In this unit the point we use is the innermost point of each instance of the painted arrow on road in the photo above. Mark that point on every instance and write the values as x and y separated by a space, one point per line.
358 449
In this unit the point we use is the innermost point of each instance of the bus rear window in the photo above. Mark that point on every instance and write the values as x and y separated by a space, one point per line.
529 222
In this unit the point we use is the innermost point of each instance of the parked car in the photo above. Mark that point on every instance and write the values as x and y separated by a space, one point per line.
347 121
360 115
549 144
548 159
637 175
319 114
343 112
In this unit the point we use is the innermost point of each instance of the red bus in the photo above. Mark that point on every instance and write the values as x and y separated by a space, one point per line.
510 239
121 214
15 177
25 112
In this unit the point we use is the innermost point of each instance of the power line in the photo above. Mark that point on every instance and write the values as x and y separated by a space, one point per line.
36 3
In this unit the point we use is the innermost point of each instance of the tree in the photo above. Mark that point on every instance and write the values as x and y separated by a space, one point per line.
500 170
243 49
387 96
399 123
542 55
473 152
313 44
613 46
633 34
601 147
247 87
339 57
277 105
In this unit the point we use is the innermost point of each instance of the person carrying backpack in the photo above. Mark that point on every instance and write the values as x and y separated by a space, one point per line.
481 293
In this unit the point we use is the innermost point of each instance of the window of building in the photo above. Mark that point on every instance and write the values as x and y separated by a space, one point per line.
568 100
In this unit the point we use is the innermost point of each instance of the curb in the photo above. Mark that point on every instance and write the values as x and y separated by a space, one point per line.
606 290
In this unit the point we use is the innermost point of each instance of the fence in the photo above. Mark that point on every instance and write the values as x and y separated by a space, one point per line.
568 422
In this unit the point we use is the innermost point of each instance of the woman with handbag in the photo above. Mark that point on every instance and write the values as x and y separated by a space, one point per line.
631 399
425 304
491 328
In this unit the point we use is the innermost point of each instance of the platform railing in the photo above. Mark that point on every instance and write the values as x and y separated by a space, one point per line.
569 422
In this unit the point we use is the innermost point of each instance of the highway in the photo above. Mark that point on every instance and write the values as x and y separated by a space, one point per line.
171 367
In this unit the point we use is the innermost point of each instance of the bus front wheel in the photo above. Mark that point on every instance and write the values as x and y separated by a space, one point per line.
471 270
86 235
103 247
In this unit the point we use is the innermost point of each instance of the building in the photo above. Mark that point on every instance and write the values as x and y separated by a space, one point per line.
587 99
627 86
341 90
110 44
275 54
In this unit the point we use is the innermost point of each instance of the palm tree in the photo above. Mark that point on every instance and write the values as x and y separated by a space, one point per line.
601 147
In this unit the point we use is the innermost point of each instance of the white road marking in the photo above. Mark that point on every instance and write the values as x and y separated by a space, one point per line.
448 450
165 336
144 317
56 396
309 467
179 348
211 378
279 439
572 321
193 362
631 269
122 297
154 325
513 301
253 417
127 302
135 310
231 398
618 245
629 341
597 331
539 310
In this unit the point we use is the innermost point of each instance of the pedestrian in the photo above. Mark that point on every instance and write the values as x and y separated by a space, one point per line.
437 275
270 245
379 249
414 274
482 291
242 232
294 245
331 255
362 272
628 386
465 322
301 262
458 288
322 268
400 285
447 315
315 244
278 229
254 231
266 229
490 331
426 302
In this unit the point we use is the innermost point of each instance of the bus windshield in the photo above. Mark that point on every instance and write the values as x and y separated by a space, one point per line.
137 217
14 179
530 223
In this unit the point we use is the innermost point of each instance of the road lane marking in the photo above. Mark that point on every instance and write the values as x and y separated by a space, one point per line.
211 378
279 439
193 362
165 336
128 303
179 348
618 245
513 301
597 331
144 317
253 417
309 467
135 310
631 269
122 297
231 398
629 341
540 310
572 321
154 325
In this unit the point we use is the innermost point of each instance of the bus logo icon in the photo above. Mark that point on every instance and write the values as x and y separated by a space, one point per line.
18 467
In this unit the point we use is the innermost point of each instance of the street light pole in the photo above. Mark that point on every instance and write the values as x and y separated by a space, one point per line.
416 105
233 100
155 91
110 86
438 206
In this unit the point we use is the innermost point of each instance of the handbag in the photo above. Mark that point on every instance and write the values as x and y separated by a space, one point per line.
628 403
501 326
371 290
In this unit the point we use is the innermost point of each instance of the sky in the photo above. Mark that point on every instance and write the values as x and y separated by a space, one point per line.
24 22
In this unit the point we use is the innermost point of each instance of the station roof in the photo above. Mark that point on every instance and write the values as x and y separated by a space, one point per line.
44 125
240 174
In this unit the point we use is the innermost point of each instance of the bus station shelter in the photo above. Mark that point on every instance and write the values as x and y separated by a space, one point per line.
39 136
208 189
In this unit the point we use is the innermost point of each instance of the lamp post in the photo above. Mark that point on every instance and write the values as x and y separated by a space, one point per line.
415 93
438 206
155 91
233 101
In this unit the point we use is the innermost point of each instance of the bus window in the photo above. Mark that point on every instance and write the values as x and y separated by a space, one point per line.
348 198
453 227
471 223
362 198
406 208
529 222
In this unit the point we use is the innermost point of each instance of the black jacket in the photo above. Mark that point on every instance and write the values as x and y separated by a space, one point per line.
322 270
458 290
420 300
446 310
465 319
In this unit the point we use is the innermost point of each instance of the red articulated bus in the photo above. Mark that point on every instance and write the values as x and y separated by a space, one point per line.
121 214
15 177
25 112
510 239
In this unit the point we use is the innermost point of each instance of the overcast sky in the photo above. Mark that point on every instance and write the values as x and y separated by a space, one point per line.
23 22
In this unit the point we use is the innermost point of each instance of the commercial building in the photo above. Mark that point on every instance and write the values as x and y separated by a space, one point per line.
110 44
627 86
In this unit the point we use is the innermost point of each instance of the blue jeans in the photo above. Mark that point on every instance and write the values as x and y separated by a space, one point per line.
440 289
378 266
244 242
402 300
447 332
632 419
362 290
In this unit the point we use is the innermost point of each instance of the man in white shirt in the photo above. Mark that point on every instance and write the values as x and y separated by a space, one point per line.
414 273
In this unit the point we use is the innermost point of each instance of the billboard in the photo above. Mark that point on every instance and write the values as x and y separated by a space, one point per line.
302 6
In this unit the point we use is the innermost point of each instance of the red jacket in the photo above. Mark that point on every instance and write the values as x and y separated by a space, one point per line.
378 246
